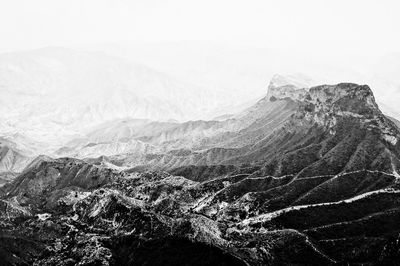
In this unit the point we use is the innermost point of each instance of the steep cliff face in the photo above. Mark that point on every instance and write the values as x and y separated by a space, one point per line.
327 103
329 100
344 131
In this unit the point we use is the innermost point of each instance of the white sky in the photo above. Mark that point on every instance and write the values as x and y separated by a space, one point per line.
365 27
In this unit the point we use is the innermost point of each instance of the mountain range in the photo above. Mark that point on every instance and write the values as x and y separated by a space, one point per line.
53 95
304 176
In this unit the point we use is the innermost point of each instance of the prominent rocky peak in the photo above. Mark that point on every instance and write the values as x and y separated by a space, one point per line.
282 87
329 102
343 96
334 93
344 99
325 104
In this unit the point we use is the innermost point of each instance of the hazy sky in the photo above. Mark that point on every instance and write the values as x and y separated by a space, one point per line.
365 27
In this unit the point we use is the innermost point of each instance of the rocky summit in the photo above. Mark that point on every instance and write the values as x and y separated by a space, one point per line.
306 176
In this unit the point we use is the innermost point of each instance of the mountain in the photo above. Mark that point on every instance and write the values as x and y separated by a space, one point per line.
66 93
342 124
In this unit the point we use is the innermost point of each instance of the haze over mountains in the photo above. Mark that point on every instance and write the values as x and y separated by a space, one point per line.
68 102
305 176
51 96
194 133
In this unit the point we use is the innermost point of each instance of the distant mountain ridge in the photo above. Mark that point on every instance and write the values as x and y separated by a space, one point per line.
67 92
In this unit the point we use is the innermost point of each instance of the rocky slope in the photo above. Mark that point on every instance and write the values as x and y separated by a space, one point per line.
65 212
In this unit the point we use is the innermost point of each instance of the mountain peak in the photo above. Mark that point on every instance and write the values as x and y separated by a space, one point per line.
326 104
343 98
332 93
282 87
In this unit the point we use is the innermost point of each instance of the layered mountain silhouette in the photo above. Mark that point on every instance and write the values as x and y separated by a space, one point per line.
306 176
52 95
